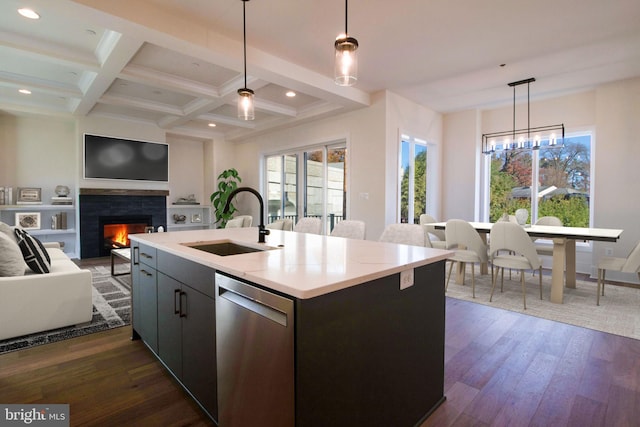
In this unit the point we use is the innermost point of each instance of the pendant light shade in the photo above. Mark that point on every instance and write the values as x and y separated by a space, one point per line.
245 104
245 96
346 62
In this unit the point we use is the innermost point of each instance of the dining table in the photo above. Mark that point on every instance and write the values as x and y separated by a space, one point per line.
563 268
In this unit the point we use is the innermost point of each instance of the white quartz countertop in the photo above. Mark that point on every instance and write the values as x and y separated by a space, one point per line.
297 264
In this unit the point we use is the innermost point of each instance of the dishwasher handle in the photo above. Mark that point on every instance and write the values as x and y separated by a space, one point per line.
253 305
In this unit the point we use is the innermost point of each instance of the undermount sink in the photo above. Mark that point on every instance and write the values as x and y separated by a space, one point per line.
226 247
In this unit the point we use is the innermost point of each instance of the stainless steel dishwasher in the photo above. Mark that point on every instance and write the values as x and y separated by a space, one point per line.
254 338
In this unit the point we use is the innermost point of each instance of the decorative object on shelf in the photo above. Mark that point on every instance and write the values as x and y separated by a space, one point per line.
227 182
189 200
29 196
520 139
522 215
59 200
5 196
245 95
179 218
62 190
28 220
196 217
346 65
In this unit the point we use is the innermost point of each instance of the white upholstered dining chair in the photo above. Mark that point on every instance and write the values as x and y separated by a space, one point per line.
630 264
553 221
240 221
284 224
308 225
439 241
521 254
468 248
349 228
408 234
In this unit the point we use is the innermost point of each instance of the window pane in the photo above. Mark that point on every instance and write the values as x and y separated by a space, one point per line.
314 161
281 187
290 187
510 183
336 186
274 187
420 182
405 162
566 182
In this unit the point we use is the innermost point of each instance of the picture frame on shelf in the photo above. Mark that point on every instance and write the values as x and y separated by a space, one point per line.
28 220
29 195
196 217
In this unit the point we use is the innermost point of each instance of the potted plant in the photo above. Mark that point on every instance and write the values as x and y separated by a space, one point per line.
227 182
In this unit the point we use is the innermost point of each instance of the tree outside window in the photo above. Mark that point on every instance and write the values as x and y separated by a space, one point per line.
563 181
413 181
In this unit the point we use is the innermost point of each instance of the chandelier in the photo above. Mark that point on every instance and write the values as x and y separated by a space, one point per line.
525 138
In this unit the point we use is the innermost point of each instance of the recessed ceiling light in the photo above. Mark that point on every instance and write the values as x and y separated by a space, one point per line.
28 13
25 91
211 125
290 94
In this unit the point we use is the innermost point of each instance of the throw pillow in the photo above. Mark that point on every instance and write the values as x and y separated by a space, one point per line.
8 230
33 252
11 262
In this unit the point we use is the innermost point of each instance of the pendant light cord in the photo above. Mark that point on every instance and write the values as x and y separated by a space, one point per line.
244 37
346 14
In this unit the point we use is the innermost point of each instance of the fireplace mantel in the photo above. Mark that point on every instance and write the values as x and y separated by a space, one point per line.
121 192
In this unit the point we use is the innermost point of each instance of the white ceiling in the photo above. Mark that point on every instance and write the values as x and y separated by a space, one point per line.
178 63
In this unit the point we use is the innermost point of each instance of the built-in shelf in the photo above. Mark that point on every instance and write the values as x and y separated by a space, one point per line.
192 213
65 236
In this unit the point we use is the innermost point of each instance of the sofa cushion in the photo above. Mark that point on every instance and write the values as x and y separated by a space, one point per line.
11 261
33 252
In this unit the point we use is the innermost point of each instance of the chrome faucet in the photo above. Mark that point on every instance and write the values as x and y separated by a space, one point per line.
262 231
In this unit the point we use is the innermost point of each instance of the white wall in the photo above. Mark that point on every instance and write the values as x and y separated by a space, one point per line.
37 152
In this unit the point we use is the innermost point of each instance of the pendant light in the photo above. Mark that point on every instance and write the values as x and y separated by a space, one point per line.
245 95
346 65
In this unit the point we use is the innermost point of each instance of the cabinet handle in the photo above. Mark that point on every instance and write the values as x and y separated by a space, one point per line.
146 255
136 255
183 313
146 273
176 301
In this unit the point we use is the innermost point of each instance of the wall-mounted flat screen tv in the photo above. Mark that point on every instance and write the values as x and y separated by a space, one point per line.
106 157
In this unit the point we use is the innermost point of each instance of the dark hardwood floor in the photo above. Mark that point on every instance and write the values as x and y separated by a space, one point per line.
501 369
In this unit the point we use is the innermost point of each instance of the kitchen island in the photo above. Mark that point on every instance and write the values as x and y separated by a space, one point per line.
307 330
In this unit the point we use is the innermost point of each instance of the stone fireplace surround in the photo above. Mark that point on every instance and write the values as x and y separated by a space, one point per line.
97 202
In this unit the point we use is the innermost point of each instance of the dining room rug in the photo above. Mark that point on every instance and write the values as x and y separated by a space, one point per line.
618 312
111 309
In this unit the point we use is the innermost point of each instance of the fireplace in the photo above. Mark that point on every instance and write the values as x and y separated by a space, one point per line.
100 207
115 230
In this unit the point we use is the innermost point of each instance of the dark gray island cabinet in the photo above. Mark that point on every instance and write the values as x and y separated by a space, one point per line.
368 354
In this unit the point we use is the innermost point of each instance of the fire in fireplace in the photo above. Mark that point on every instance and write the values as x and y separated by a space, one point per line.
115 231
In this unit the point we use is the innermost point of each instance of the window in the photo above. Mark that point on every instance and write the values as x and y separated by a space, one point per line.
551 181
324 184
413 179
281 187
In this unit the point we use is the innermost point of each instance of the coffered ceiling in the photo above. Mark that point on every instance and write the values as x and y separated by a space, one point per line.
178 63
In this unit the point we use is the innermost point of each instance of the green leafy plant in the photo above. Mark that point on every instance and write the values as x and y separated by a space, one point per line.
227 182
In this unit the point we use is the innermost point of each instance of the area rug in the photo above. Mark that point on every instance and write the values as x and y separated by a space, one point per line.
111 309
618 312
